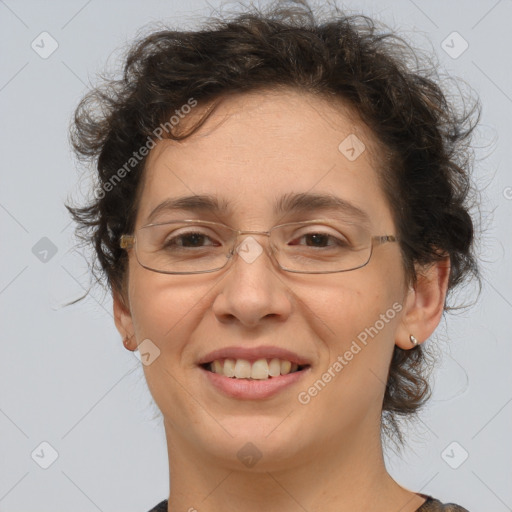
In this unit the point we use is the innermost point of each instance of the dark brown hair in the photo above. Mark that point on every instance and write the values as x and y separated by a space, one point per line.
426 174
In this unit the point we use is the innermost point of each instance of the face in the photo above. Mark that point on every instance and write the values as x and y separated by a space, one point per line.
251 152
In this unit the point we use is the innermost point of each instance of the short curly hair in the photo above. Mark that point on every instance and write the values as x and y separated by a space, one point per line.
425 173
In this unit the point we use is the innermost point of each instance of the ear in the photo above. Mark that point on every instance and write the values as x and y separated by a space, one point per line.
424 304
123 320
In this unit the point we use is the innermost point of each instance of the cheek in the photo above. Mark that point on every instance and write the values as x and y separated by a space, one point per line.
165 311
362 313
357 301
161 310
362 325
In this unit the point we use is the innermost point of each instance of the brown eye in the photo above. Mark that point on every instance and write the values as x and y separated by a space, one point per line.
187 240
321 240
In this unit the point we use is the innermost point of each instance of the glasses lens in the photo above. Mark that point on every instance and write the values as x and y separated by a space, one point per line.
185 247
315 247
182 247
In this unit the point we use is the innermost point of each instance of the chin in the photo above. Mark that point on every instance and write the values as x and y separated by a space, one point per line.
256 443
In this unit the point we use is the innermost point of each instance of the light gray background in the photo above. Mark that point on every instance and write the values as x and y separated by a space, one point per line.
65 377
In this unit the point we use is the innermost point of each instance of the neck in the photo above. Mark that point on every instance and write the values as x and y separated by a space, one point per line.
347 476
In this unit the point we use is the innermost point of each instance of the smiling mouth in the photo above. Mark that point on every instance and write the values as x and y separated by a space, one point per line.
260 369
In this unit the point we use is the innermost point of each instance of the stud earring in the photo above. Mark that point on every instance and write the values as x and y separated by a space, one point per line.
125 343
414 341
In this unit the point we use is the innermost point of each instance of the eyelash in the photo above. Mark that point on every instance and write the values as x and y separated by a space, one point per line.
338 241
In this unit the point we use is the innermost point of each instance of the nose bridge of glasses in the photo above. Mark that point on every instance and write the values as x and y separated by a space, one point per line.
246 234
248 248
251 232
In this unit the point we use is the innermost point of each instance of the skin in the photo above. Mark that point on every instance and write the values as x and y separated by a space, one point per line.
323 456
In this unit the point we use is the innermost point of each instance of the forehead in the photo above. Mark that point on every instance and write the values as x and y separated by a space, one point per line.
273 117
255 148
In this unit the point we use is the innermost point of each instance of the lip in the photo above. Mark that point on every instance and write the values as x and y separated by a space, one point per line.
248 389
252 354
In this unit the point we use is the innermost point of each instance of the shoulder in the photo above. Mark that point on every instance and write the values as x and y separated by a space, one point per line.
434 505
161 507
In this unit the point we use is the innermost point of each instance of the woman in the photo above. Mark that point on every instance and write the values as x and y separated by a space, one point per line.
280 215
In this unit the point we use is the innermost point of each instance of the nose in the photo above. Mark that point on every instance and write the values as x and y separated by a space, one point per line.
252 288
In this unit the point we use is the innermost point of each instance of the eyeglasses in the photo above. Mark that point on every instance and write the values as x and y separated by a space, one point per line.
197 246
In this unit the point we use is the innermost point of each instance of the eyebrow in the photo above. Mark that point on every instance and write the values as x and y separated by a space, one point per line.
302 202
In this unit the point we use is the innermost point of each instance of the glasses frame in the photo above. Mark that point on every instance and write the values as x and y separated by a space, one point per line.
127 242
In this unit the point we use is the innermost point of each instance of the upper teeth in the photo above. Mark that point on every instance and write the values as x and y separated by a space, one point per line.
261 369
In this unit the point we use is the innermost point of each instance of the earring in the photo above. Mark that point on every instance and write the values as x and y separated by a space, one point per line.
125 343
414 341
